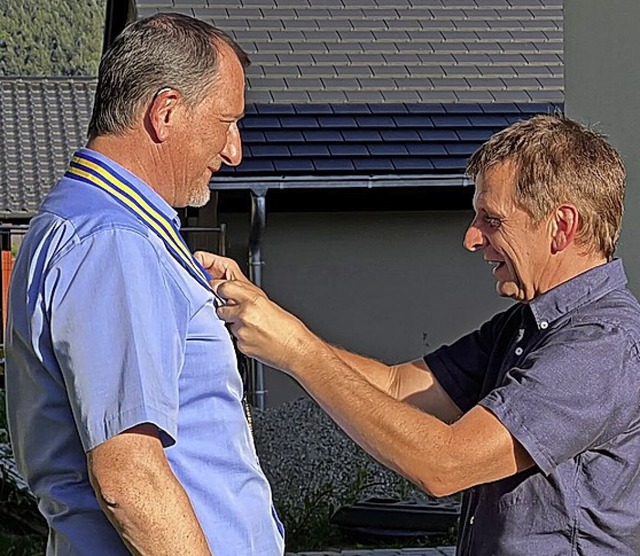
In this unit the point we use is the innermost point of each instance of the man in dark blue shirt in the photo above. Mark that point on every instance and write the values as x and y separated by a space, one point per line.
536 415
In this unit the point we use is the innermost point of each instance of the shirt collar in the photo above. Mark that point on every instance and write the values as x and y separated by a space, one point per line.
580 290
145 189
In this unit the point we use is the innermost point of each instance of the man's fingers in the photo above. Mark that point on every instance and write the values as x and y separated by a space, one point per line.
219 267
235 292
228 313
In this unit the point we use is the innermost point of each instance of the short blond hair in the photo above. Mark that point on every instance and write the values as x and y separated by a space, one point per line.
557 160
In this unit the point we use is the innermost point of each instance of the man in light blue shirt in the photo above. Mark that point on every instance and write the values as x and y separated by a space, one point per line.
123 394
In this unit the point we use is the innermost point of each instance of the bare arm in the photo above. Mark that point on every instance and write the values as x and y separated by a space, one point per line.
141 496
411 382
440 458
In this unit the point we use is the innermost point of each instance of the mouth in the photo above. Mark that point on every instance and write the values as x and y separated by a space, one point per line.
497 265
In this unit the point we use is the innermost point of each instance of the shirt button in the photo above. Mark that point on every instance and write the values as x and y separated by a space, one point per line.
518 351
472 519
544 324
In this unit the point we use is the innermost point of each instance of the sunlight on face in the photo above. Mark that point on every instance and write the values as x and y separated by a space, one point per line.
517 248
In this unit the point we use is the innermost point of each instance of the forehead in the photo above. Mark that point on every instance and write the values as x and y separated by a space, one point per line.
226 95
496 185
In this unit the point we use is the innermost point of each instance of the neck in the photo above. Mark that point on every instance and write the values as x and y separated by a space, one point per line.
572 264
133 152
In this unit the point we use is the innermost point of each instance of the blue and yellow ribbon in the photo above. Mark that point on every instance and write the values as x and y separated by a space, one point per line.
88 169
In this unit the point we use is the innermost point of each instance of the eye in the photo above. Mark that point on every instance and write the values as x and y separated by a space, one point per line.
492 221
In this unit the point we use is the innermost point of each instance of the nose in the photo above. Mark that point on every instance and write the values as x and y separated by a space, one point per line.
474 239
231 154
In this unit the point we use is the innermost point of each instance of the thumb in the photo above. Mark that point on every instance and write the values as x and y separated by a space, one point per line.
231 292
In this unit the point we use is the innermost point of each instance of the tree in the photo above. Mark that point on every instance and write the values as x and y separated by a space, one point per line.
51 38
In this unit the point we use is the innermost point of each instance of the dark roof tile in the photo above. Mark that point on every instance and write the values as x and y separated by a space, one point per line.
286 136
348 149
268 150
336 165
326 136
337 121
389 149
293 165
403 135
373 165
310 149
364 135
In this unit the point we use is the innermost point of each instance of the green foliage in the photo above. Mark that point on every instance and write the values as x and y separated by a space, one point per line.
20 520
309 527
52 38
4 435
18 545
308 524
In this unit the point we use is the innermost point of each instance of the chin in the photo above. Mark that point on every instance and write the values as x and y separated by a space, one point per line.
510 290
199 198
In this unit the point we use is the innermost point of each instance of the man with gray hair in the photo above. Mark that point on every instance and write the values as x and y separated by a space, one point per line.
123 394
536 415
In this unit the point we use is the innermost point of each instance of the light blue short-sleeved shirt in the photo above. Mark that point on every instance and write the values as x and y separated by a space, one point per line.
107 330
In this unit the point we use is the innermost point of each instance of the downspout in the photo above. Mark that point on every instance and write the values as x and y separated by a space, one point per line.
117 14
258 220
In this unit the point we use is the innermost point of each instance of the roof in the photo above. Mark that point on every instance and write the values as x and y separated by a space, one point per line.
43 121
365 145
391 51
382 92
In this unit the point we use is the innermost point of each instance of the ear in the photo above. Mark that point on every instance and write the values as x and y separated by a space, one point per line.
161 114
565 223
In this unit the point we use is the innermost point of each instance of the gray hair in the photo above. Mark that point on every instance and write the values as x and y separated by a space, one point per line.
162 51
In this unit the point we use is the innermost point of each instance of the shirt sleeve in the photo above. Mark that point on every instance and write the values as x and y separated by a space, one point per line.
574 392
460 368
118 332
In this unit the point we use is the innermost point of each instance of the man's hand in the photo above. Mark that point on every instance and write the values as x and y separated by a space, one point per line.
220 268
264 330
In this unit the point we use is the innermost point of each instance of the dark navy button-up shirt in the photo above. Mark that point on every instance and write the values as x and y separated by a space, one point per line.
562 374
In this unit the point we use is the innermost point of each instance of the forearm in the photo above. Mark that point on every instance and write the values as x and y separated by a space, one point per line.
400 436
141 496
411 382
439 457
155 519
376 373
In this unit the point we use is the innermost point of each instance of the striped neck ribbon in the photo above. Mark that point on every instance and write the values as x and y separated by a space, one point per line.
88 169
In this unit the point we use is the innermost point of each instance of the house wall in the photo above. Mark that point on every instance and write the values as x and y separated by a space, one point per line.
392 285
602 87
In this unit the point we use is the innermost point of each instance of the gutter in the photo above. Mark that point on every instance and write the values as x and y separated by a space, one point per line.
259 186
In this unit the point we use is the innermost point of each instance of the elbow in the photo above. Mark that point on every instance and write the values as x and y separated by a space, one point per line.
111 492
440 489
123 490
442 478
438 486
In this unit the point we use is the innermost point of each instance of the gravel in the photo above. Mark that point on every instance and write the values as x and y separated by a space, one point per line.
303 452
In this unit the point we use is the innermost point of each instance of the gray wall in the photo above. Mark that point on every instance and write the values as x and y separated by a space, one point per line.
602 85
396 285
390 285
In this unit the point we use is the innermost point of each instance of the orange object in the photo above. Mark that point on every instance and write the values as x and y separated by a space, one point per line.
6 263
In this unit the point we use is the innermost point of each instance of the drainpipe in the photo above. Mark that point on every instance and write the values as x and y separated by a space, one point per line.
258 220
117 14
